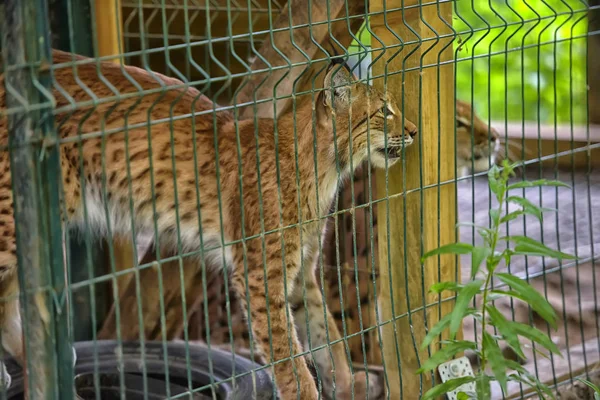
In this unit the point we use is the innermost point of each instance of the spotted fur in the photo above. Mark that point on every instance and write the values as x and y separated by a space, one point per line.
184 175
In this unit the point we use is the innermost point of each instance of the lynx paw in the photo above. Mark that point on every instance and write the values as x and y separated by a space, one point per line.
375 388
362 391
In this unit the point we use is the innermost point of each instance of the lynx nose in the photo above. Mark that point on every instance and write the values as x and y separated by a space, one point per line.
411 130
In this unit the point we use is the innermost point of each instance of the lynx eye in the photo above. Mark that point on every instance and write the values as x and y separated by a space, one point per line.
388 112
461 124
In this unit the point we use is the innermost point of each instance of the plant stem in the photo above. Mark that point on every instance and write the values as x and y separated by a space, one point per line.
491 265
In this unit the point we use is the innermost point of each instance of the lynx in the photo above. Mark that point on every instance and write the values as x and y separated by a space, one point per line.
477 151
240 195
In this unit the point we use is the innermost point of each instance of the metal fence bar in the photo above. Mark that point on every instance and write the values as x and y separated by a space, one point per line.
35 170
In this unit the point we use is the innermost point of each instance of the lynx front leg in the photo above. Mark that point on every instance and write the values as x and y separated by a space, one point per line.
272 321
10 318
330 359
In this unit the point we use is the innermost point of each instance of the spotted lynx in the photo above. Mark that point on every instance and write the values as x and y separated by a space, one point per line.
178 177
479 150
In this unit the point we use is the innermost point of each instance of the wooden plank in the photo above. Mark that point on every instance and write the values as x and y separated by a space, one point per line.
301 49
417 218
108 26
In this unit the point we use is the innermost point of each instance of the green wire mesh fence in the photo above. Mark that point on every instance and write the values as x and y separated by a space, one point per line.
223 133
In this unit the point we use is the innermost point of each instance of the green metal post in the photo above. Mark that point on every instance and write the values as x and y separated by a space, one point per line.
35 171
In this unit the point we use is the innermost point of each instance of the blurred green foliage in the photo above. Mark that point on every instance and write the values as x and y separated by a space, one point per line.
520 60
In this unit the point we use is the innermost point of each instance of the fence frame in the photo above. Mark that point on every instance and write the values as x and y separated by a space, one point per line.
35 166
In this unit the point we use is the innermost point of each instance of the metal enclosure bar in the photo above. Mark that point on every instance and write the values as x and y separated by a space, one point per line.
35 172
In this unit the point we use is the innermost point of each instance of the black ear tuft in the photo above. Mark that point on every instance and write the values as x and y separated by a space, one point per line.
339 77
338 60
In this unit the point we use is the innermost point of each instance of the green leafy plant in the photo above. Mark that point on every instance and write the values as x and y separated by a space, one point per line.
595 388
485 261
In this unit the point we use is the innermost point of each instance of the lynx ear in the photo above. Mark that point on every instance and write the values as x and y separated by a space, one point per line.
338 78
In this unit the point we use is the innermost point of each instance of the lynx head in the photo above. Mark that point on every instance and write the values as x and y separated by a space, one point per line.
480 153
361 116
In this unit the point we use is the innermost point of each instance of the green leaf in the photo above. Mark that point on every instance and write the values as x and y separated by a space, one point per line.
478 255
483 231
453 248
496 359
439 287
446 353
537 350
528 379
511 338
482 387
529 207
592 386
495 215
535 335
540 182
440 326
447 386
478 227
512 215
528 294
529 247
507 254
526 382
493 175
462 302
462 396
496 294
508 169
511 364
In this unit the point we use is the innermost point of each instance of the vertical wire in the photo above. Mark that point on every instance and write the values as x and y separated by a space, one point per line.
379 322
404 187
217 163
